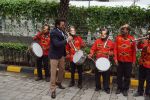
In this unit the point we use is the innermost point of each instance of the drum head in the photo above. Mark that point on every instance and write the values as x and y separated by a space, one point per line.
37 50
77 56
102 64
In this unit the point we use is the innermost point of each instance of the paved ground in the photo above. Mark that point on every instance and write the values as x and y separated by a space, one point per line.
16 86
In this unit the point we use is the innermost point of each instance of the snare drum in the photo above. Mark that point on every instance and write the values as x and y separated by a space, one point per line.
36 50
102 64
79 57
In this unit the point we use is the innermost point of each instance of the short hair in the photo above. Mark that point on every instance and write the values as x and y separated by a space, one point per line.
46 25
125 26
104 29
57 21
72 27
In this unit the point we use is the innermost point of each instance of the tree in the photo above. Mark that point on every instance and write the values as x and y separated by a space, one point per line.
63 9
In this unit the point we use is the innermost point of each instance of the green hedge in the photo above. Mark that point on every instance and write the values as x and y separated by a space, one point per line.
89 18
13 46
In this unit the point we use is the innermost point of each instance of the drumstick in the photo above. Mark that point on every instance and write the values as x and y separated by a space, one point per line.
91 58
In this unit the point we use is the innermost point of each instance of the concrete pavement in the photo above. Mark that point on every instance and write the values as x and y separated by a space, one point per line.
17 86
32 70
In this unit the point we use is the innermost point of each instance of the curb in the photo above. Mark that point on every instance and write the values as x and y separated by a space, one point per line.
31 70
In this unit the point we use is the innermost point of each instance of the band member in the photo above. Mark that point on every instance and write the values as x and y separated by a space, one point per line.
125 57
100 50
43 38
78 43
144 68
57 54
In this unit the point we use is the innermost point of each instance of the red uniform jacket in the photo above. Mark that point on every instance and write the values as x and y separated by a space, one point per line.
99 50
145 54
125 49
78 43
44 42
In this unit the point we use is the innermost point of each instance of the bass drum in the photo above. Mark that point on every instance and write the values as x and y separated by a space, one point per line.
79 57
36 50
102 64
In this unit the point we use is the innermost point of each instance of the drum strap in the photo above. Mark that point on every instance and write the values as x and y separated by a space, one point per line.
106 42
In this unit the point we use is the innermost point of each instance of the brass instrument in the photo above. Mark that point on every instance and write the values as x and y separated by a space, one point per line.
144 37
140 39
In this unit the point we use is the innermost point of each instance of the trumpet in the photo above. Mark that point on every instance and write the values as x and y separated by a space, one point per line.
67 35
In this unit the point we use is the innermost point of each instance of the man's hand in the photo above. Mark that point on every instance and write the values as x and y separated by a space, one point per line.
116 62
90 56
67 57
69 39
133 64
111 53
45 48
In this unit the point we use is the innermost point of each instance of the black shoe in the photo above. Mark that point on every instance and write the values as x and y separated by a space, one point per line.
118 91
38 78
107 91
47 79
60 86
137 94
71 84
53 95
97 89
80 86
125 93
